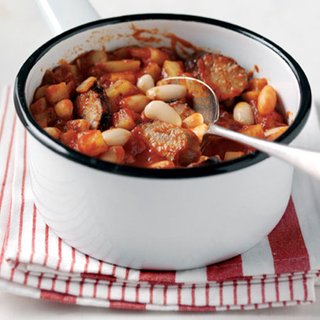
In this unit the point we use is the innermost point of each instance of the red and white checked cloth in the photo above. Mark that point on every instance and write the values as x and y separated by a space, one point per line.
34 262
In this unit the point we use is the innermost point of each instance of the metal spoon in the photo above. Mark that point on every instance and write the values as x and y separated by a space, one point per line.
205 102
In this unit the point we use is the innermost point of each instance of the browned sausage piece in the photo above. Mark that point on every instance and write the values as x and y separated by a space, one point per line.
222 74
90 106
174 143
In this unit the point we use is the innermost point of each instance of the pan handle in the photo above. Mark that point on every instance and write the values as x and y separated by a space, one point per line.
65 14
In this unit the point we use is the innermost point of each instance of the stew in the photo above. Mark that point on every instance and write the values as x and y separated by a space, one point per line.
113 106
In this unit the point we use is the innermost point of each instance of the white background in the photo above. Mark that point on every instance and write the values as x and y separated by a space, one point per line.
292 24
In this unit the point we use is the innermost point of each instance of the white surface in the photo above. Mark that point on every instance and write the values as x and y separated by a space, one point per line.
85 13
292 24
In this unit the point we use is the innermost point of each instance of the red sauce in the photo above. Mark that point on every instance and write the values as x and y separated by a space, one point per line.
145 35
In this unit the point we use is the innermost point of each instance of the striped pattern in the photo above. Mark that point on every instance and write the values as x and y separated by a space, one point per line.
279 271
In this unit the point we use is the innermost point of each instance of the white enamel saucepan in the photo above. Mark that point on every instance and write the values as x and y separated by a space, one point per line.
170 218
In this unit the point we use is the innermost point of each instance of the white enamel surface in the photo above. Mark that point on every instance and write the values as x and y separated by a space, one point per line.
58 15
154 223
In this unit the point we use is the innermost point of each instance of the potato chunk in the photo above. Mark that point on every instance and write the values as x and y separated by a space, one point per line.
126 119
91 143
78 125
57 92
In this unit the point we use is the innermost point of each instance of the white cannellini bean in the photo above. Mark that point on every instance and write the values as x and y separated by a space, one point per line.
145 82
159 110
167 92
243 113
116 136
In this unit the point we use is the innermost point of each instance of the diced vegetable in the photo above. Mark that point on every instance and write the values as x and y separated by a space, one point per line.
64 109
120 65
172 68
115 154
231 155
38 106
125 119
78 125
91 143
53 132
121 88
86 85
200 131
194 120
255 131
153 70
56 92
40 92
135 102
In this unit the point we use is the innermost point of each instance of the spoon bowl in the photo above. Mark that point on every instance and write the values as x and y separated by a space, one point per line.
204 98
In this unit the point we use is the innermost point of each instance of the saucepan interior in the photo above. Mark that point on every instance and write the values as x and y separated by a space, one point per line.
249 49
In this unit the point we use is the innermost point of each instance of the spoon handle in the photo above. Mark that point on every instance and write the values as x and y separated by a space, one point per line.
305 160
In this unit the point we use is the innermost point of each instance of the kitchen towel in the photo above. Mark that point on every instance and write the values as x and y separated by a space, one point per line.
281 270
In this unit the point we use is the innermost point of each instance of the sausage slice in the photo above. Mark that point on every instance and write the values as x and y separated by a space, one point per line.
222 74
91 107
174 143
